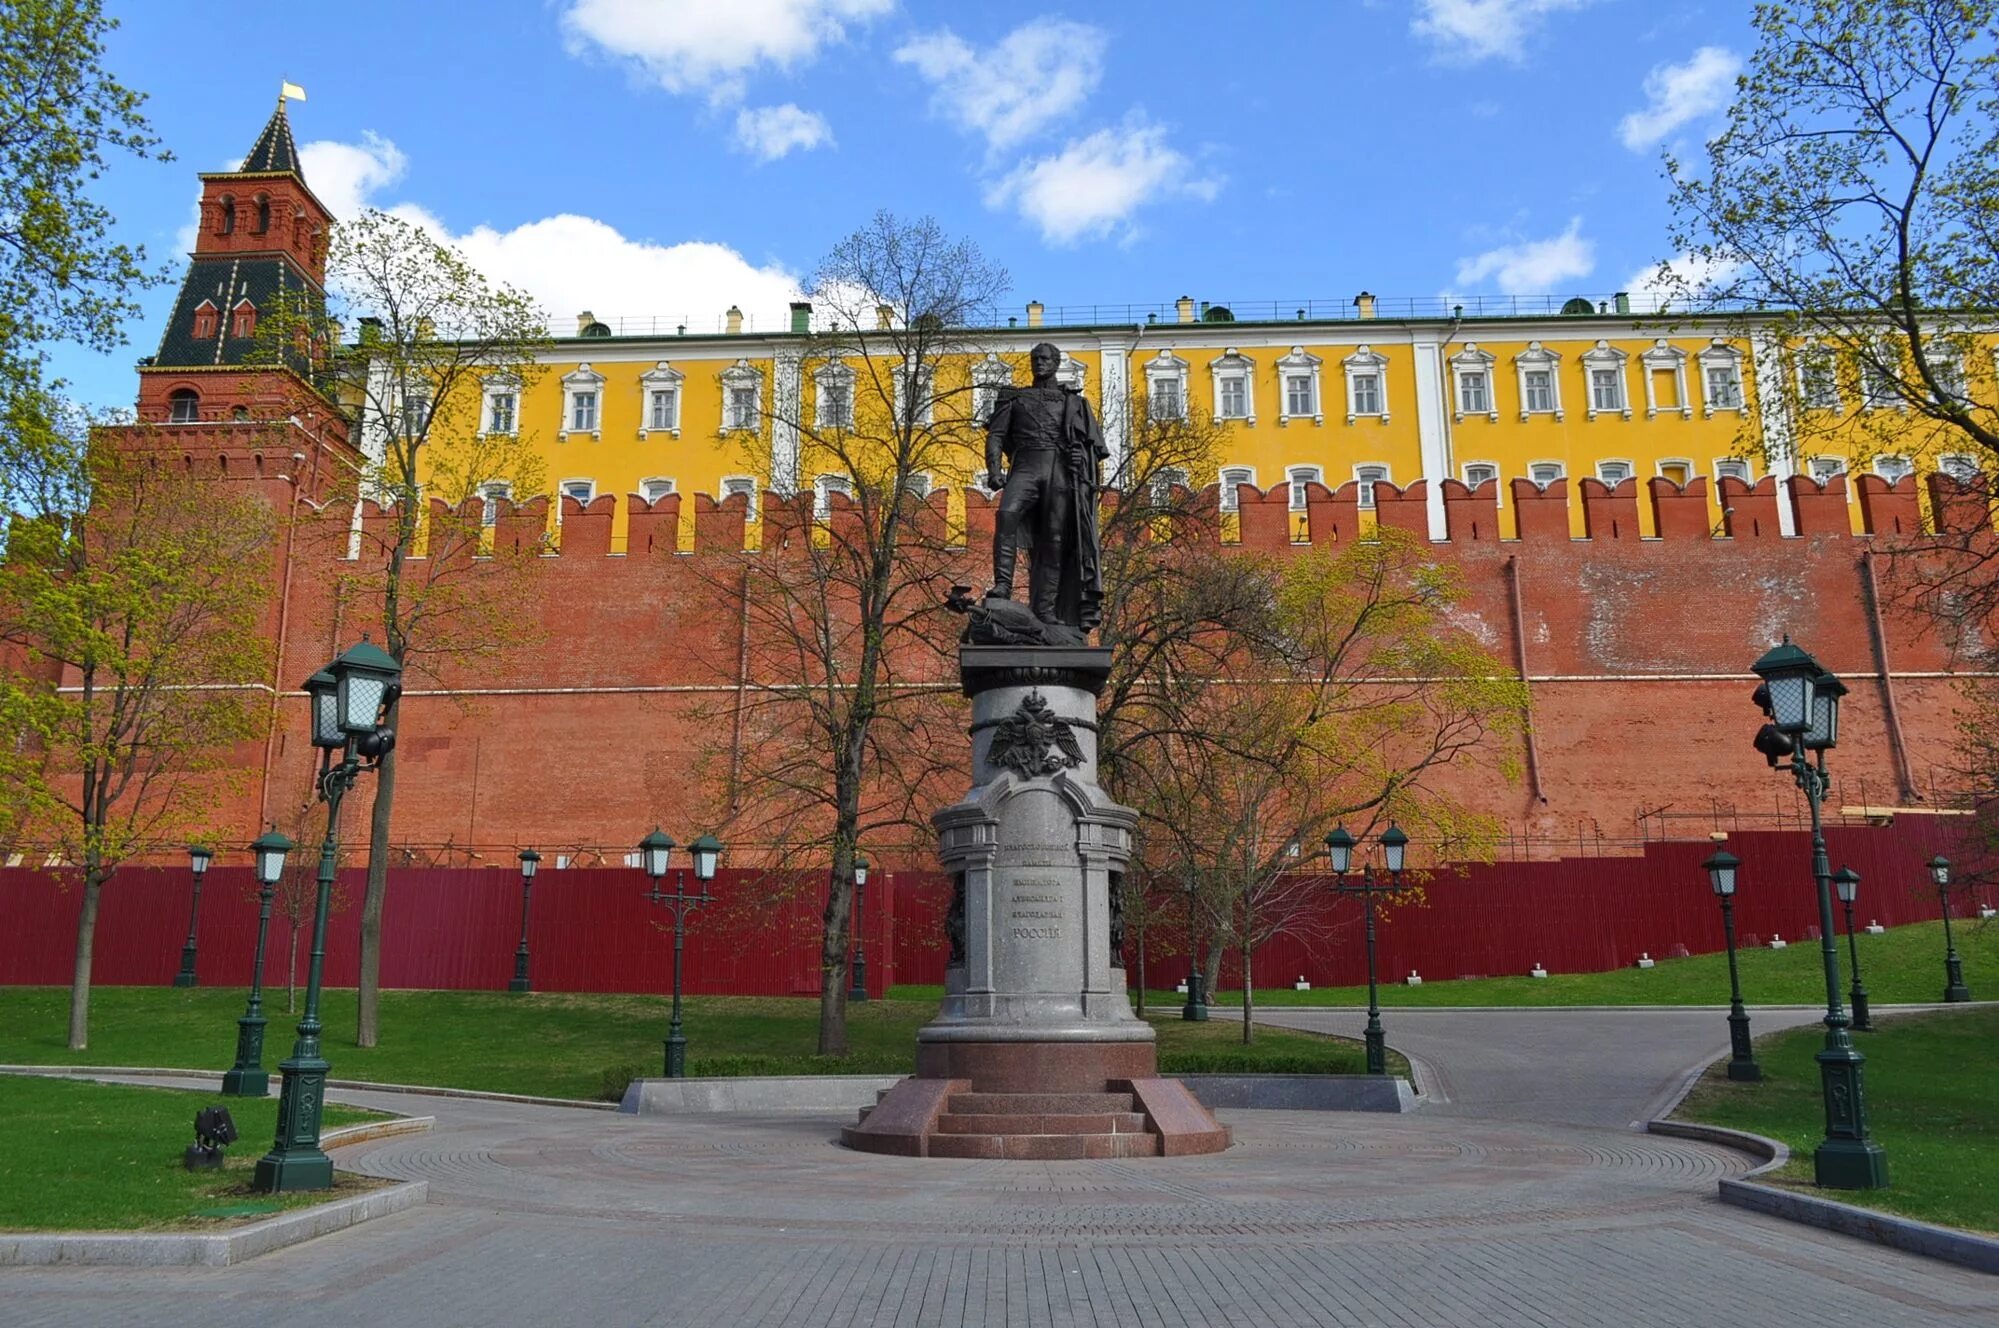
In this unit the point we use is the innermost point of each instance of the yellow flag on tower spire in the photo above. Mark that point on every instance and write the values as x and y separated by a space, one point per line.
291 92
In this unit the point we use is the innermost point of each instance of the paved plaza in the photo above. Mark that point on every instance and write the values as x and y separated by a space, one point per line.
1523 1199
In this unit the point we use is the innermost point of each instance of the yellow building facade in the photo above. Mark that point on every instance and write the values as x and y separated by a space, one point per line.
1354 400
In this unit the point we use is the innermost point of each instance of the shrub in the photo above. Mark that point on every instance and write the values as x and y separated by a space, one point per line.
616 1079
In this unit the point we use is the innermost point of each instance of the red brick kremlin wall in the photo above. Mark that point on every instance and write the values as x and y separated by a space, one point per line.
1637 651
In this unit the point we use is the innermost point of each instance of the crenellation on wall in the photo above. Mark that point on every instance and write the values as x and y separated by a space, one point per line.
1263 517
1403 509
1471 515
1960 506
719 526
1332 516
1819 506
1888 509
1749 511
586 527
652 527
1680 513
1610 511
1541 512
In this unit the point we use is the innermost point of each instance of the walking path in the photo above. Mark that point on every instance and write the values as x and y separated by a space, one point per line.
1524 1199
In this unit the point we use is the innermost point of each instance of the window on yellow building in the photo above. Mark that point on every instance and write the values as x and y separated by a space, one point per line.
581 490
1679 472
1825 468
1613 473
1480 472
1880 385
1963 469
582 412
1366 374
747 486
1544 473
653 490
1474 392
662 408
1163 400
988 377
1540 390
1298 378
500 411
1818 379
1724 388
1365 478
740 391
1733 468
1234 377
823 490
1893 468
1301 479
661 386
1232 479
490 496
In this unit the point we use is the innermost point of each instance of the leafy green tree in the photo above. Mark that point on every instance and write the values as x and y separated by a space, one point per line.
1853 201
436 337
130 659
62 116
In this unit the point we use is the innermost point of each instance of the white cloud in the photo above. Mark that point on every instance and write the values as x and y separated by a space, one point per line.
769 132
1468 31
1531 267
1037 73
703 46
1651 291
569 263
1675 94
1092 187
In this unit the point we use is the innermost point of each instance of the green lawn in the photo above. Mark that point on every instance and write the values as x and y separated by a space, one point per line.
1903 965
82 1156
1930 1080
562 1045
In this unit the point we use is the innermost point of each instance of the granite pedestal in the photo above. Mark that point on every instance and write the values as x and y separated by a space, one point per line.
1035 1051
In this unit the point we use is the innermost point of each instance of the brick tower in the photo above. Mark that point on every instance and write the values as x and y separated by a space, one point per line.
262 240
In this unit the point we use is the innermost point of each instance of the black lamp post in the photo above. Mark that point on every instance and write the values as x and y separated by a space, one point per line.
654 851
1721 870
529 861
1340 847
1195 1011
246 1078
198 859
1802 702
858 988
1847 882
350 700
1953 967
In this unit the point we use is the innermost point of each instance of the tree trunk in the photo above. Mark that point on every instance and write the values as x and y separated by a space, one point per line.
833 962
1211 974
367 1028
291 975
79 983
1248 995
1141 972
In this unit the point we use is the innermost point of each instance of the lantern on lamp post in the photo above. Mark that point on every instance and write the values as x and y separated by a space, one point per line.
1801 700
246 1078
351 701
1722 868
1339 850
529 860
858 987
198 859
1953 968
655 855
1846 882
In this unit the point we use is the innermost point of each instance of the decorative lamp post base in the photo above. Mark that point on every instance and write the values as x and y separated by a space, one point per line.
1954 988
1742 1066
676 1057
1745 1072
246 1078
519 984
1850 1164
859 991
296 1161
186 977
1846 1159
1377 1052
1195 1011
1856 1000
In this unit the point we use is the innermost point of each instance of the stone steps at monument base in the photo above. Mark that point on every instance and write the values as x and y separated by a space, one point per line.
1040 1104
1105 1122
1044 1147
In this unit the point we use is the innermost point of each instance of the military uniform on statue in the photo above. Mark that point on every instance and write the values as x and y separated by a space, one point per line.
1035 1052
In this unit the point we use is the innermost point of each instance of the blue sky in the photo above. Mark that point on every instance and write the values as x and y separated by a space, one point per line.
666 158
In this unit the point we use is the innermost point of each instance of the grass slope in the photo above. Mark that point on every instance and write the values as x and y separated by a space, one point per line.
563 1045
1929 1079
82 1156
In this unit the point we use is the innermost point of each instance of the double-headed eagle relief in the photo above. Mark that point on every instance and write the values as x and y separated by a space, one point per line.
1034 741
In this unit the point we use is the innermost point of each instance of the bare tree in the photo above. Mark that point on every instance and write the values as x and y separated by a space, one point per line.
846 715
435 387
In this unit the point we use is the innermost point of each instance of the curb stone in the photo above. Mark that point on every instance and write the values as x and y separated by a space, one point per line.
1965 1248
205 1250
355 1085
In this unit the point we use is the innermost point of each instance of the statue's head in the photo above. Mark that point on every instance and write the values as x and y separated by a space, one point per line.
1044 360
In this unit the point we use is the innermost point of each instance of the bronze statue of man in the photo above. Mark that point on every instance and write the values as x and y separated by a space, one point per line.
1052 447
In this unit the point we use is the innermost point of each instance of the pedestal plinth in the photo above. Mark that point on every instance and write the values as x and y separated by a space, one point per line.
1036 1037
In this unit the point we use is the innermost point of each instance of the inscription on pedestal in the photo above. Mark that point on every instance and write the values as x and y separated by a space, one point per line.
1035 911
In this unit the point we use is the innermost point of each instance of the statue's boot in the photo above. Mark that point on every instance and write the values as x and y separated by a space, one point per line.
1045 579
1006 553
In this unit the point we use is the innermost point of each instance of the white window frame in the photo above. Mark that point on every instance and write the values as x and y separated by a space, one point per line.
1659 468
1163 481
1166 367
581 379
1947 365
1300 363
742 374
926 383
1295 478
662 377
490 495
1835 465
1870 399
1662 356
823 489
988 377
1366 360
562 491
1748 475
491 387
1472 360
1605 358
1498 474
1228 481
1630 470
1561 469
1072 373
1720 355
743 484
1539 359
1364 484
1960 466
1812 355
651 480
1891 460
1232 366
918 484
833 373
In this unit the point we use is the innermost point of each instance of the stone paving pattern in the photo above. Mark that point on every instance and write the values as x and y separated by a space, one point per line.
1501 1210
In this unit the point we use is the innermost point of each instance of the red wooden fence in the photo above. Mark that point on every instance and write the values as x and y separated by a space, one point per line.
591 930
